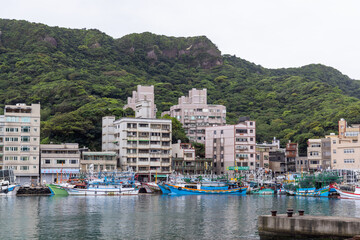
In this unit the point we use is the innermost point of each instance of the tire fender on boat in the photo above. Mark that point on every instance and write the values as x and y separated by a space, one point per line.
179 188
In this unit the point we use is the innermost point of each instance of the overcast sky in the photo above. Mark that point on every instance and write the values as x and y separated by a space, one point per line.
272 33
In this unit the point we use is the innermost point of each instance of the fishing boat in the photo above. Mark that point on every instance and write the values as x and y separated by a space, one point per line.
313 192
8 187
57 189
265 191
124 184
348 194
195 189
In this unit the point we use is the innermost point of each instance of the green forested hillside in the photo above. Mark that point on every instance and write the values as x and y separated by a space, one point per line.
80 75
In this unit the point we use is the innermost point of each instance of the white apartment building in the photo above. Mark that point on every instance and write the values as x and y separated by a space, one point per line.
59 161
141 144
143 102
195 114
20 141
231 146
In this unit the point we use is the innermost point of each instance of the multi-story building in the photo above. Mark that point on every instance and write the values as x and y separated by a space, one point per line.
262 153
277 161
319 154
195 114
143 102
59 161
20 141
291 152
98 161
141 144
186 162
345 147
231 145
302 164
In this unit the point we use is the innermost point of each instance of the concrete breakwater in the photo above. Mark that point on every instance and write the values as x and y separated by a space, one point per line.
307 227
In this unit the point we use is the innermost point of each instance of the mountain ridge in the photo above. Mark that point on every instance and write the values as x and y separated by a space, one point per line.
81 75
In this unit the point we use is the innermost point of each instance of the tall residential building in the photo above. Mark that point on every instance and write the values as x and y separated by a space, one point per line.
59 161
141 144
195 114
231 146
143 102
20 141
319 154
345 147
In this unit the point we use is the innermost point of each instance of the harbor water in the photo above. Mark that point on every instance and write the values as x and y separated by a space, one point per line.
152 216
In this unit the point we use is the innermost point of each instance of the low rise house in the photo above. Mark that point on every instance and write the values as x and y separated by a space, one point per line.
59 161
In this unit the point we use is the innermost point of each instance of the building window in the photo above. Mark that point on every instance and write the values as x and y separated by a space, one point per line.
350 150
241 130
25 168
11 139
215 132
222 131
334 161
334 141
60 161
25 148
11 158
251 139
334 151
251 131
12 119
251 123
11 149
25 119
11 129
73 161
25 129
47 161
349 160
25 138
24 158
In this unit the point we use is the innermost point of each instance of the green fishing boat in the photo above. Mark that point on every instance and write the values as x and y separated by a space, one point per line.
57 190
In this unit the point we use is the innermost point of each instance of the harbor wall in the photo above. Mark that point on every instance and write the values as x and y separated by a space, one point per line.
325 227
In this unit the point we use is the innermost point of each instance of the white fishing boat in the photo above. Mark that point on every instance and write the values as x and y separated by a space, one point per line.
348 194
8 187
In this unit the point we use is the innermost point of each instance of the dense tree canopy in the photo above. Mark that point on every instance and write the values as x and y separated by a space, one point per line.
81 75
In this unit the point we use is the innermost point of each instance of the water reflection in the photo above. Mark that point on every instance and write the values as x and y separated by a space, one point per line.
144 217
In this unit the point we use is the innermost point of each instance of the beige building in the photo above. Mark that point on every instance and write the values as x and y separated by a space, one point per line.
98 161
186 162
345 147
262 153
59 161
195 114
143 102
319 154
141 144
20 141
232 146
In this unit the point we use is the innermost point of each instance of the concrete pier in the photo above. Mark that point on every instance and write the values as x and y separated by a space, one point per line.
307 227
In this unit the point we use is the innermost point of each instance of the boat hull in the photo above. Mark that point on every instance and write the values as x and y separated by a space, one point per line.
10 190
312 192
102 192
57 190
189 191
345 194
164 189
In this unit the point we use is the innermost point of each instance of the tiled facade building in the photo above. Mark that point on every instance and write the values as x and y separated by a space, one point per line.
195 114
231 145
319 154
20 141
141 144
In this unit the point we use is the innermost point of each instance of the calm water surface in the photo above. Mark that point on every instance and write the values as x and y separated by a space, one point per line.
152 217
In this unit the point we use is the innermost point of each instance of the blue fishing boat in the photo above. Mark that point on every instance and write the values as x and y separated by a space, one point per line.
189 189
313 192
